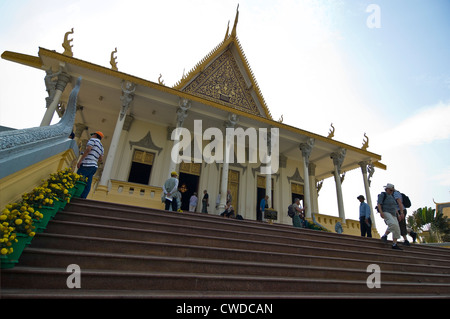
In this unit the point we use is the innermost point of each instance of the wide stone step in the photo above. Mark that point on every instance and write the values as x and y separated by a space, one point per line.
287 238
180 297
127 262
213 222
207 221
139 247
107 231
56 278
127 252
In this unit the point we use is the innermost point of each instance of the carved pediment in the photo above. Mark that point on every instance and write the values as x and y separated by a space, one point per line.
223 82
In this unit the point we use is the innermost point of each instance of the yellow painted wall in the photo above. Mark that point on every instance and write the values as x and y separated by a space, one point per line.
351 227
13 186
128 194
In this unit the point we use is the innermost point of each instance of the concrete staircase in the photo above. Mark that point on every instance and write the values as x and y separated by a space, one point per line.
132 252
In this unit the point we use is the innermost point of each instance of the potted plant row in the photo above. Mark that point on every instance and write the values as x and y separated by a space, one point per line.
21 220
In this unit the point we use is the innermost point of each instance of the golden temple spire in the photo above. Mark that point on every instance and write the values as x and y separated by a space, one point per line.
228 29
233 32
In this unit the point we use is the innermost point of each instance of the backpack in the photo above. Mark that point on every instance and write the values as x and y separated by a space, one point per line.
291 211
405 200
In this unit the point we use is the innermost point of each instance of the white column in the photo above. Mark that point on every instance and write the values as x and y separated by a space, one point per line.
284 191
312 187
224 184
306 149
174 156
184 106
363 166
63 79
269 174
338 159
269 190
230 123
127 97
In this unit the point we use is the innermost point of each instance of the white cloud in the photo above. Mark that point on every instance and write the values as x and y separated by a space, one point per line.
443 178
425 126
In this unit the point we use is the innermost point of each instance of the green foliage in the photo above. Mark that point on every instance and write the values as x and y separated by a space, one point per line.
426 218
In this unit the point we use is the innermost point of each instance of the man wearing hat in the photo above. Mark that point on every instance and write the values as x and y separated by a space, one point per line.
387 207
170 188
88 163
364 218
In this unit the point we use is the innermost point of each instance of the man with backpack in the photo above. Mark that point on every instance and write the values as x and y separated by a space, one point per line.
402 202
297 213
387 207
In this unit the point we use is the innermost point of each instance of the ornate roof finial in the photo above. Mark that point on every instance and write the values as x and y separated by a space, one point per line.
160 81
366 142
113 61
228 29
331 132
66 44
233 32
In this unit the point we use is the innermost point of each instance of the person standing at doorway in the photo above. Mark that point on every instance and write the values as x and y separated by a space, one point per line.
170 188
229 196
205 202
364 218
193 202
263 205
88 163
299 218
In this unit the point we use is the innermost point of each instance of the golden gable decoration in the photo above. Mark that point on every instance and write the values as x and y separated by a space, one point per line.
224 76
223 82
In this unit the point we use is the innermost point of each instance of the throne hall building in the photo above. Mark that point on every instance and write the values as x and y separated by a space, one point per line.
138 119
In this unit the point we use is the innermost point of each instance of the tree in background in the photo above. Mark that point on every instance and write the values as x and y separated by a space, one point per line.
437 225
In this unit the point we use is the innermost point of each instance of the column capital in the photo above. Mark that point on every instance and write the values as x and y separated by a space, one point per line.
232 120
338 157
365 163
306 148
63 79
79 129
127 97
183 106
363 166
367 167
128 121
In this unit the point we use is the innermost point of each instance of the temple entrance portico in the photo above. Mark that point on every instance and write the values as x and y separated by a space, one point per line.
296 192
139 117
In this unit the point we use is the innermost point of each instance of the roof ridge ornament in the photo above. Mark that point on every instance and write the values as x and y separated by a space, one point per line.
233 32
226 33
66 44
113 60
161 81
366 142
331 132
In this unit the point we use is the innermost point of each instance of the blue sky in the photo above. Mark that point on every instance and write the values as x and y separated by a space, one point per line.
316 62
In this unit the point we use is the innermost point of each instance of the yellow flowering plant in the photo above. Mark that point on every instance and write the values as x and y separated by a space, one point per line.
16 218
7 234
62 181
66 178
19 217
40 196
